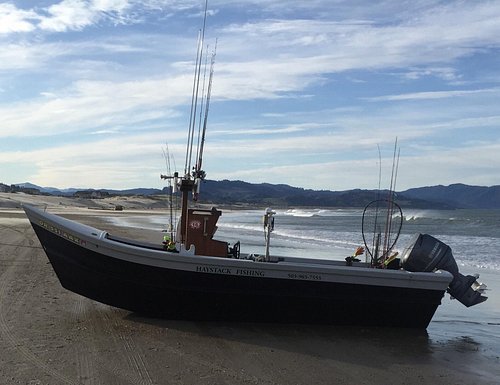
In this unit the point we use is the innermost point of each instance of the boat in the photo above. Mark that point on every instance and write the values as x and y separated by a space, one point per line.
195 276
208 280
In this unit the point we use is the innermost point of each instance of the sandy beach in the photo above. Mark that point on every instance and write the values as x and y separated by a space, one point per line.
51 336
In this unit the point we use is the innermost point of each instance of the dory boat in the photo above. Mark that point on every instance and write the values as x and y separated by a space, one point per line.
209 280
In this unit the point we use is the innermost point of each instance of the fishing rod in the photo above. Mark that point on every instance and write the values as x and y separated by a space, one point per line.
207 107
190 181
172 224
376 239
203 99
194 97
390 199
189 145
382 218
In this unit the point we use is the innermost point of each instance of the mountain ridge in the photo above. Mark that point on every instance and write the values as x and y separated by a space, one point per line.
228 192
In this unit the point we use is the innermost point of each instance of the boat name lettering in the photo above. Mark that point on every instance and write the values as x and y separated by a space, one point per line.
62 233
213 269
250 272
227 270
310 277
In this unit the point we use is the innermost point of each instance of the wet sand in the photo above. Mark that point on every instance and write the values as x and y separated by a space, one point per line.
51 336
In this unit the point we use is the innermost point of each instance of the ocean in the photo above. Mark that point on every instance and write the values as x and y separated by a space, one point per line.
473 235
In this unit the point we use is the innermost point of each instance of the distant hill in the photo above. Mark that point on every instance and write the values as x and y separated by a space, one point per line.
460 195
280 195
228 192
72 191
48 190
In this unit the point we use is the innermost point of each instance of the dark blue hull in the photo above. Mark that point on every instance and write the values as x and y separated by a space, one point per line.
179 294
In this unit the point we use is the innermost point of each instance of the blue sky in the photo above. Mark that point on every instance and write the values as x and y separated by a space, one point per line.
304 92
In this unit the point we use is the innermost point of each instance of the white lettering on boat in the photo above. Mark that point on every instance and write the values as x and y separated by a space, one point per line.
62 233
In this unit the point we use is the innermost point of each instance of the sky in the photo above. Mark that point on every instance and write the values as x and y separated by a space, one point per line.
311 94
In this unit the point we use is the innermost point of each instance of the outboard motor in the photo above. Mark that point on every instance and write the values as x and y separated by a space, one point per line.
426 253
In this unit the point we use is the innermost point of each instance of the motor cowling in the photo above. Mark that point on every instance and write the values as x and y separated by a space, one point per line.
425 253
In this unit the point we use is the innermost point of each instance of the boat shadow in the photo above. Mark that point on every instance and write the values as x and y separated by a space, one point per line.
349 344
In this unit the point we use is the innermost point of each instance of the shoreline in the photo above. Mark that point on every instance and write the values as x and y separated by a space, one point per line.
154 203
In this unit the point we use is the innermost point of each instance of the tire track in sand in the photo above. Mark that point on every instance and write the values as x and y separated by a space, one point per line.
128 349
85 352
9 276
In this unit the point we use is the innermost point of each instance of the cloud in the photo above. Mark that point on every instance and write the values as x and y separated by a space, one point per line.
432 95
78 14
25 56
267 130
105 161
429 167
446 73
64 15
13 19
69 14
470 164
89 105
323 46
101 163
